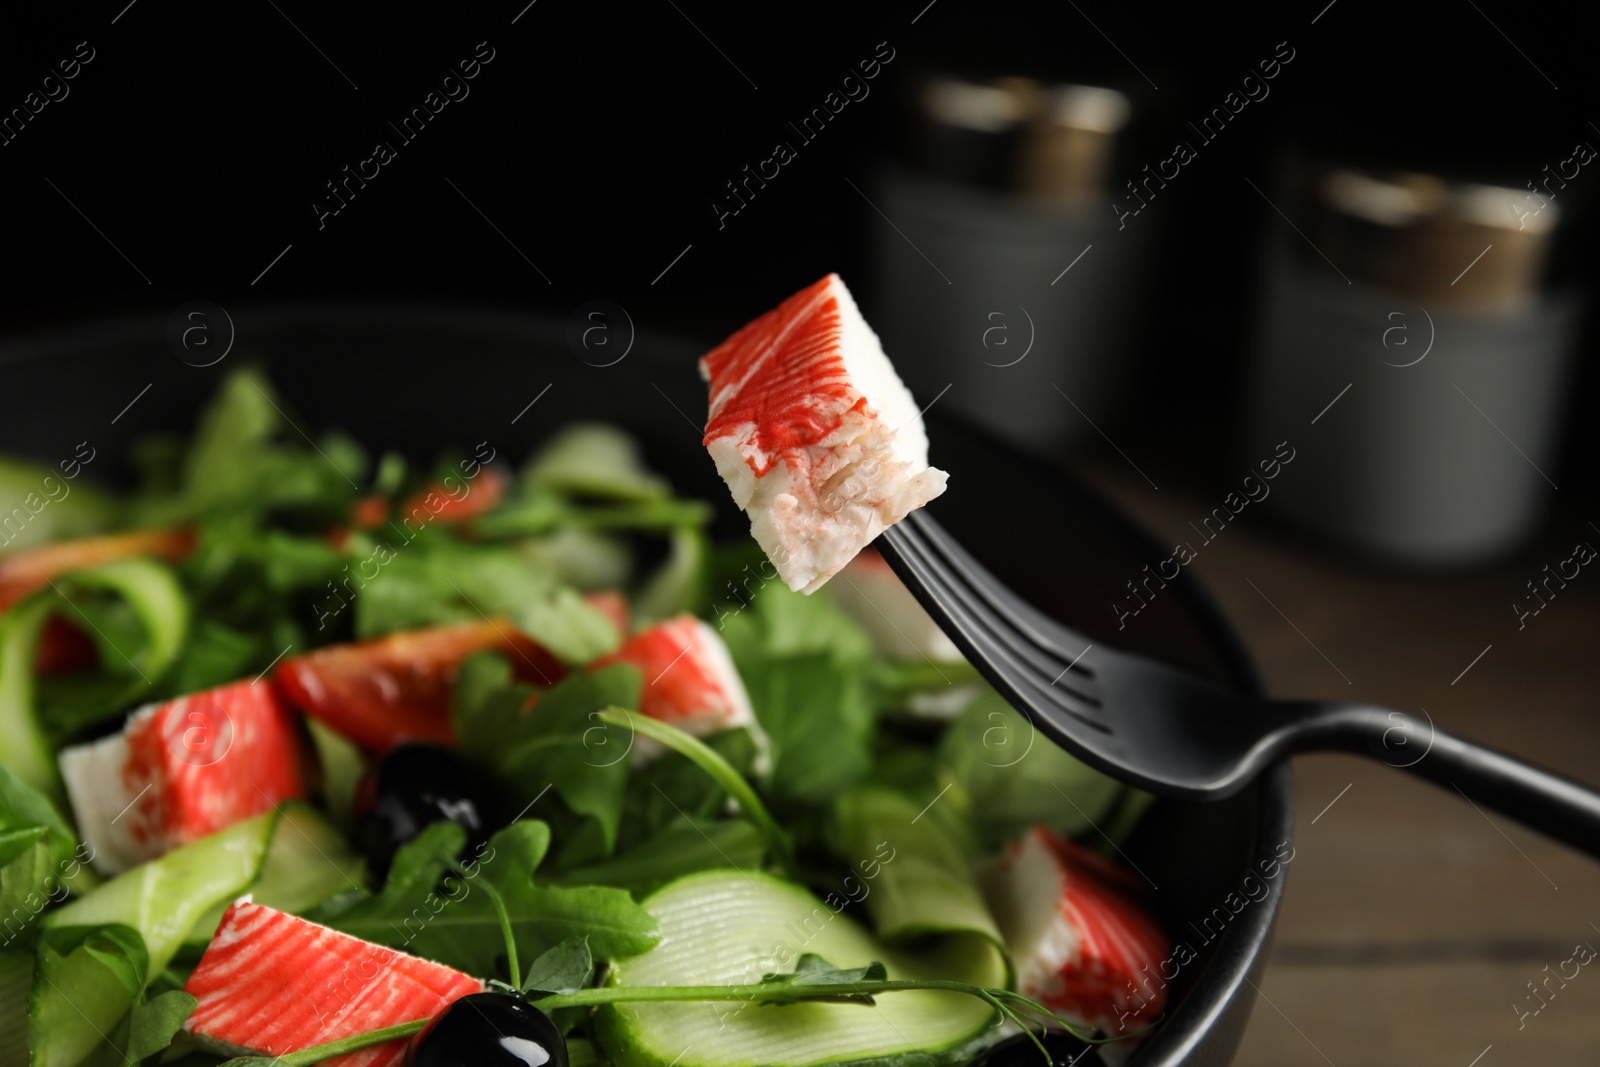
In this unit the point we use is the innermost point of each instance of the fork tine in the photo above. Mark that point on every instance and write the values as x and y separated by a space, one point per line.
1043 632
1049 660
984 638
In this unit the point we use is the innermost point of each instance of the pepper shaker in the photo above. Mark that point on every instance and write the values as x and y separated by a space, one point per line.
1410 348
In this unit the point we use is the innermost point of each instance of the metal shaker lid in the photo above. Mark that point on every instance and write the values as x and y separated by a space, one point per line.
1427 237
1050 143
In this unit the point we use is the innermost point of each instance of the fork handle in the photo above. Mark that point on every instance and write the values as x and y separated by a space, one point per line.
1550 803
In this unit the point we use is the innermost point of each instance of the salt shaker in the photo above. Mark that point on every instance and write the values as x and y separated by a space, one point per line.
1002 282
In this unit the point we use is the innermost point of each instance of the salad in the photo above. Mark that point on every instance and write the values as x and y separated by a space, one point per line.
311 754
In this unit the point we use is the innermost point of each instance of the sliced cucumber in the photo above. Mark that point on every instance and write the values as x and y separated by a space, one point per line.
163 898
158 601
596 459
23 747
680 582
79 511
912 868
735 926
307 863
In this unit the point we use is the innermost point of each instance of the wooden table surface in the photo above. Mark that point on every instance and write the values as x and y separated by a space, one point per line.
1413 923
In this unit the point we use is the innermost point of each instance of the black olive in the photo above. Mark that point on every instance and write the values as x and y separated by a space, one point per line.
412 787
488 1030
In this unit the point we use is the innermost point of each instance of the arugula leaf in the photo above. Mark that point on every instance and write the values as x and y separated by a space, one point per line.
812 975
156 1022
568 626
589 477
39 862
894 684
1012 777
566 968
820 721
215 655
246 457
21 805
255 592
526 512
87 978
703 756
680 847
672 787
535 511
595 459
780 622
432 581
559 743
459 926
584 559
806 665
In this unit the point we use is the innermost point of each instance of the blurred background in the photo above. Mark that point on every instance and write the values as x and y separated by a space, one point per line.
1322 272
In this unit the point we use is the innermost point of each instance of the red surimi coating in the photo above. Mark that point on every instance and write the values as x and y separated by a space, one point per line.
612 605
203 762
689 680
272 983
784 373
1111 977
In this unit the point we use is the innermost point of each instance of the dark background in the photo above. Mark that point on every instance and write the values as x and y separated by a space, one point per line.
598 135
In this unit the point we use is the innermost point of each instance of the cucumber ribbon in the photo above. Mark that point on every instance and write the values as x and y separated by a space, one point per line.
157 601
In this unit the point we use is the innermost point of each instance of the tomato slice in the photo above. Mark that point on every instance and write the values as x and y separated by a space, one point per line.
31 569
483 493
390 689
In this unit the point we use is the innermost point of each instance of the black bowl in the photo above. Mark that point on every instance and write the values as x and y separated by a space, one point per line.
421 379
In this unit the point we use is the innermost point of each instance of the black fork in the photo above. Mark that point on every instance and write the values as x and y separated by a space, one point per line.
1178 736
